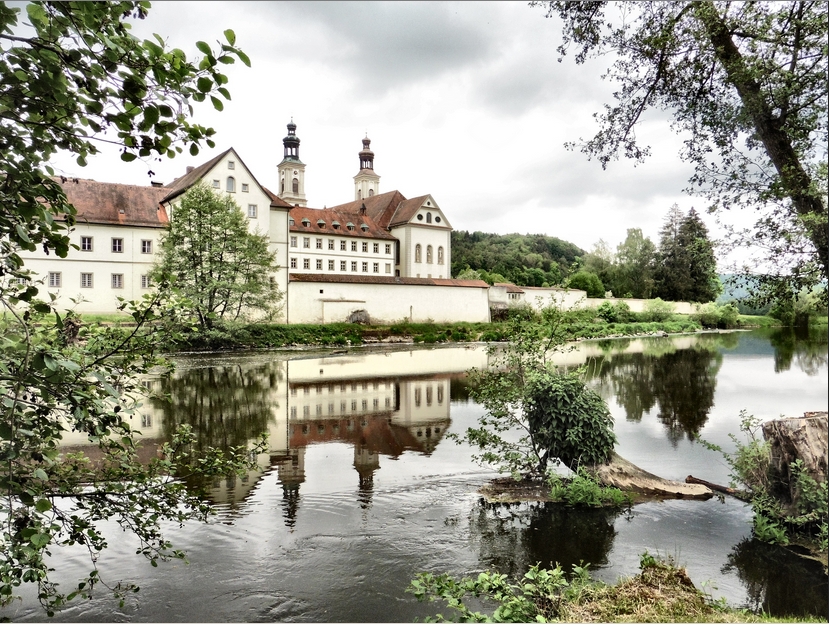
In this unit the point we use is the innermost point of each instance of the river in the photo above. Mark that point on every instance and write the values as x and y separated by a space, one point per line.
361 489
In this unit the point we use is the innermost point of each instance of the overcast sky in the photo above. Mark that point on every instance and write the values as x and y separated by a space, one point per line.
464 101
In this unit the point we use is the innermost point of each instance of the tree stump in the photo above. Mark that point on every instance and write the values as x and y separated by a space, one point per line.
803 438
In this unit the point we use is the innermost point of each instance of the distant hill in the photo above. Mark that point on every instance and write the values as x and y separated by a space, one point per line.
737 292
524 259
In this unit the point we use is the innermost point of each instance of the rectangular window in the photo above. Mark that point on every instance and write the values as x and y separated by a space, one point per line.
145 282
353 265
376 267
330 244
306 263
342 265
365 267
293 241
54 280
231 164
342 245
245 187
252 211
319 263
117 281
388 248
86 280
388 267
117 245
306 242
318 243
86 244
216 184
365 246
330 265
293 263
146 246
354 246
376 248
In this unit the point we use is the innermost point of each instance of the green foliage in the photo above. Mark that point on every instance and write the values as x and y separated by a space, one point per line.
527 260
745 86
534 414
582 489
636 258
73 78
657 310
586 281
220 269
713 316
615 313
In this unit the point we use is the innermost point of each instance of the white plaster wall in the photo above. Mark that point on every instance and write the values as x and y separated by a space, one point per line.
102 262
329 302
638 305
425 235
300 253
540 297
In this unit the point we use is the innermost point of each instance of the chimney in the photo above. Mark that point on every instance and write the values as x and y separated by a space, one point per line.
189 169
363 209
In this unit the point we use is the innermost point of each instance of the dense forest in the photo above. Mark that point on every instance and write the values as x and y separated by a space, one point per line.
523 259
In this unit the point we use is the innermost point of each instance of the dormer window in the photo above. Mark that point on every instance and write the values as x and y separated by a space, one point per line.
291 222
320 223
349 225
335 225
364 227
306 222
231 184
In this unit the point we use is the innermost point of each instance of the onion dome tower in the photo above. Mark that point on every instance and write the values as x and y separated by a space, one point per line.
292 170
366 182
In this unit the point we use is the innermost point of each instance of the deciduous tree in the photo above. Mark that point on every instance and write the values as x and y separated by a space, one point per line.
745 83
223 270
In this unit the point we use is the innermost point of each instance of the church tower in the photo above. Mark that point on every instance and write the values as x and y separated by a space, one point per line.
366 183
292 170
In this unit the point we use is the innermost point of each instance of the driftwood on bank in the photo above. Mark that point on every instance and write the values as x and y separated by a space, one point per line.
722 489
627 477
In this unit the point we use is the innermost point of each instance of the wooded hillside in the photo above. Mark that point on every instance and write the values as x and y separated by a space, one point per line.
524 259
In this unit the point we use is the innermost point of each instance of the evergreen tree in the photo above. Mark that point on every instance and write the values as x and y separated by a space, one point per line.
213 260
686 270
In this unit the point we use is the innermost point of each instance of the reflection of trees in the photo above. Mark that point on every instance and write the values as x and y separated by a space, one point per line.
680 383
805 345
459 389
511 538
226 406
779 581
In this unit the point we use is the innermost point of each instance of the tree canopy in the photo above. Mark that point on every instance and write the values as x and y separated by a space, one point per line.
71 78
745 82
223 271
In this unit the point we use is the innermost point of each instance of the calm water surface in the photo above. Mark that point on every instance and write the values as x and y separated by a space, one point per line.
361 490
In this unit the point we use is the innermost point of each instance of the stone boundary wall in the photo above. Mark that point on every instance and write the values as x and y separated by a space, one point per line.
638 305
332 302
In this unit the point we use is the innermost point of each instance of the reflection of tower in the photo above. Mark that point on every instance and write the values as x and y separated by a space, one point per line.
291 473
366 462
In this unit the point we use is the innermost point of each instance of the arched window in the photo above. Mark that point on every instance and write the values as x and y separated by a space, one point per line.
295 185
428 218
417 396
231 184
283 187
429 395
440 255
417 253
440 394
429 254
370 192
359 194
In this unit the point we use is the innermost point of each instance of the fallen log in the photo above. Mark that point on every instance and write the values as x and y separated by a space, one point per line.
626 476
722 489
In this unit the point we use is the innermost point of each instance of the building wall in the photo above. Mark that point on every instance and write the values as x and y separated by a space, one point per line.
365 260
102 296
638 305
413 234
330 302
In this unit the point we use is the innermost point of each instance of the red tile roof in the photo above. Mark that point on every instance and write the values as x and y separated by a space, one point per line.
511 288
330 277
113 203
380 208
329 216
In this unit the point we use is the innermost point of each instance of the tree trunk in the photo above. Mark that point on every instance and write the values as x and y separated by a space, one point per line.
803 438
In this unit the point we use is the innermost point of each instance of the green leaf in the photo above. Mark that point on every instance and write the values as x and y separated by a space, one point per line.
128 157
204 84
43 505
217 103
203 47
40 540
243 57
230 36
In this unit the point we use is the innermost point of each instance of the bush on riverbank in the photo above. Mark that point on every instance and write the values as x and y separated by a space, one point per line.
661 593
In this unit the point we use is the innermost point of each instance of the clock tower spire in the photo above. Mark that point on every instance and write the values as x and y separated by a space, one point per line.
292 170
